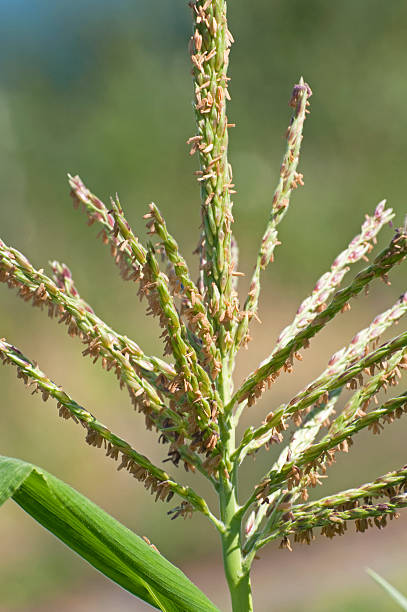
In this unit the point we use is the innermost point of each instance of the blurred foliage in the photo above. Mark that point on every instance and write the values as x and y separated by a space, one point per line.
102 89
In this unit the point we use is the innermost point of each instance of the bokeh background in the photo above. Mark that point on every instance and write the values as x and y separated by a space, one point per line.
102 88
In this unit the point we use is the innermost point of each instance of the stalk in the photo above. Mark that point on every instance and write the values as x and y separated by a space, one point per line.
210 45
237 572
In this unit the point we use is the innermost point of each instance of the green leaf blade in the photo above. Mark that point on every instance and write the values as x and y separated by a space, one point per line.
12 475
97 537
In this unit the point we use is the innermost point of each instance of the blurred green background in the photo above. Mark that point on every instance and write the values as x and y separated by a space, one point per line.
103 89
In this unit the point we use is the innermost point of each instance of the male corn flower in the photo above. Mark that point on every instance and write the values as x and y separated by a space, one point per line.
189 399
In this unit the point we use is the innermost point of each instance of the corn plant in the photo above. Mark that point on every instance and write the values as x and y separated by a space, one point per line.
189 399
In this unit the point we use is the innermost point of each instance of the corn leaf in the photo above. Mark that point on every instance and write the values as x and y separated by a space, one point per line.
96 536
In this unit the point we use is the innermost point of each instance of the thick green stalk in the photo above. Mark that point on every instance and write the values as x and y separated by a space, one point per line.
210 45
236 571
237 575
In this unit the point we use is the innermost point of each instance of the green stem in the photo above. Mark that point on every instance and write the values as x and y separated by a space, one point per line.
236 570
237 574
